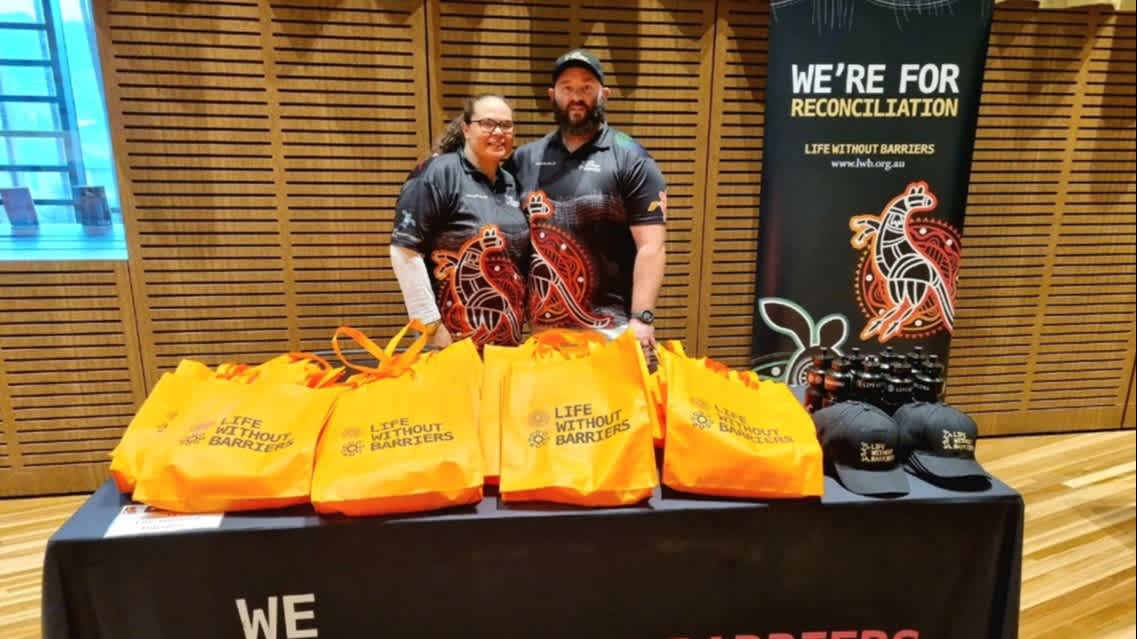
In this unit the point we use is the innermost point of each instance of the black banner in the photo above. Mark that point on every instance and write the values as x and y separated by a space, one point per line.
870 124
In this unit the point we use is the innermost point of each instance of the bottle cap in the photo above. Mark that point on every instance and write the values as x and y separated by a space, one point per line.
823 358
933 366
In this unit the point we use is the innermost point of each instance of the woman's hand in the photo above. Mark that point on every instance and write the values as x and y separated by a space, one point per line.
441 338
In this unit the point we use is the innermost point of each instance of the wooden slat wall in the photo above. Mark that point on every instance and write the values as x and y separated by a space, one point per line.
70 376
193 133
1045 337
264 145
734 167
657 61
350 90
261 145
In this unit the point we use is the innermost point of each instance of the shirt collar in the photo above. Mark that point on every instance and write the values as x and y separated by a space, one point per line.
466 163
604 139
499 184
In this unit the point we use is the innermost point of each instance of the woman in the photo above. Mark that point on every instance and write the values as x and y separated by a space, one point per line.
460 243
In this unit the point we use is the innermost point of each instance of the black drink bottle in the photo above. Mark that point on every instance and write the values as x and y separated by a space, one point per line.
838 382
815 376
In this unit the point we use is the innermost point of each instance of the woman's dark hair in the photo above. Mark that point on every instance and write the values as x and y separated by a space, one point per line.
452 137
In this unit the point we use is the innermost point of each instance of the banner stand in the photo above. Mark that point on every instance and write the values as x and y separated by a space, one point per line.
870 119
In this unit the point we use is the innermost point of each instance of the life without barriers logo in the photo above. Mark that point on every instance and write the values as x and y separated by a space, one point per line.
538 420
538 438
701 420
402 431
353 444
576 424
699 417
957 440
706 415
196 434
241 432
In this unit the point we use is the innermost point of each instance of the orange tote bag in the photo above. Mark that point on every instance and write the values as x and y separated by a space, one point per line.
497 360
657 390
730 436
161 405
405 439
579 430
238 446
553 343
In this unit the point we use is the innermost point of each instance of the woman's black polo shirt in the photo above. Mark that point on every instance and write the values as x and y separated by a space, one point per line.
475 239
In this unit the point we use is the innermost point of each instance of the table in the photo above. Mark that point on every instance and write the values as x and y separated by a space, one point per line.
933 564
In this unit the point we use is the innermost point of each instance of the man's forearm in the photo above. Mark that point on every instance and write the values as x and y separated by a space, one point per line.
647 277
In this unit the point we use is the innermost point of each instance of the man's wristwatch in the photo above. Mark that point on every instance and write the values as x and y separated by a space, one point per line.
647 317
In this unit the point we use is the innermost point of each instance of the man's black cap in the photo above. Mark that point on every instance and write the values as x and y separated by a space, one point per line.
578 58
862 445
940 441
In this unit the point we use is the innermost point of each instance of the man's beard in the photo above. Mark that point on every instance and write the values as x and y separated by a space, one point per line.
590 124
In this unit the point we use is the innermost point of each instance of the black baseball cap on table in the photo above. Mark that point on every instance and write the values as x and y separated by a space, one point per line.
861 443
578 58
940 442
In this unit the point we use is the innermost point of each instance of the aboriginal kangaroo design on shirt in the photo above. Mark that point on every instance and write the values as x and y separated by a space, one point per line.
480 290
475 239
562 277
581 207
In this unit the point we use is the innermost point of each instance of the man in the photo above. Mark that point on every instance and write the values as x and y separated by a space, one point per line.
597 204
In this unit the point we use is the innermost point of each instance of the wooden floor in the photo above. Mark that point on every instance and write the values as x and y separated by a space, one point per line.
1078 565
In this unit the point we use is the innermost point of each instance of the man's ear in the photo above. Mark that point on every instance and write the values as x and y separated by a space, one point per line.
606 92
551 91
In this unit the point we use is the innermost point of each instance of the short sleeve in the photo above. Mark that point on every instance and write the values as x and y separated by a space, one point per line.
417 214
644 189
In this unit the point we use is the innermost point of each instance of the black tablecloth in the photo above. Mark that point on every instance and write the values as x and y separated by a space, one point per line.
934 564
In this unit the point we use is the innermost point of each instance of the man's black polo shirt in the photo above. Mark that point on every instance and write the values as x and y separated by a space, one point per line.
580 207
476 242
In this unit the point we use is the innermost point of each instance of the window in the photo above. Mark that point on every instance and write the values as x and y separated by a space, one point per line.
57 177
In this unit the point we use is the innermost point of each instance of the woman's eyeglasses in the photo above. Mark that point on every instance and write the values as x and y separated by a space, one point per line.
488 125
